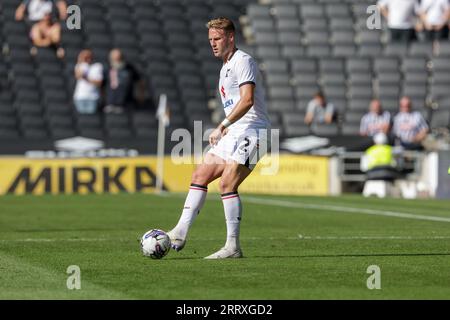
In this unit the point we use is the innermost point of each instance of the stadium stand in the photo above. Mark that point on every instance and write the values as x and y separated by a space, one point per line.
302 45
326 44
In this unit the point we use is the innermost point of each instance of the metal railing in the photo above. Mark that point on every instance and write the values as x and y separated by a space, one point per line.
409 163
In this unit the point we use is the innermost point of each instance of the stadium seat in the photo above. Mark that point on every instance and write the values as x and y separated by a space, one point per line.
350 129
421 49
326 130
301 46
440 119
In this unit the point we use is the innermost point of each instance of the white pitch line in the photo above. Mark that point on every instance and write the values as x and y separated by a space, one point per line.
294 204
60 240
299 237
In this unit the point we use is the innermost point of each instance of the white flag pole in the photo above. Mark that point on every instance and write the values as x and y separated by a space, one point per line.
161 115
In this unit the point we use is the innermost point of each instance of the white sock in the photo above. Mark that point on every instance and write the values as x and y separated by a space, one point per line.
192 206
233 212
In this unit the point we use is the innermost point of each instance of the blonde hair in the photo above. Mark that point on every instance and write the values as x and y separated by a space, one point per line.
221 23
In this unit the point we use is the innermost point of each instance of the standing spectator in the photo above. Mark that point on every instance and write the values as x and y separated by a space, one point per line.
89 77
35 10
319 110
46 33
410 128
401 18
375 121
120 80
434 16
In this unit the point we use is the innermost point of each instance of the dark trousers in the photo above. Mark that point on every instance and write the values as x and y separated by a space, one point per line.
431 35
117 97
411 146
403 35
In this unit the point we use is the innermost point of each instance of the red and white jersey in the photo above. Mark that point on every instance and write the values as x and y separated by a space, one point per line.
239 70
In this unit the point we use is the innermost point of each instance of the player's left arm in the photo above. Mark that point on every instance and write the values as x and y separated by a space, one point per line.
423 130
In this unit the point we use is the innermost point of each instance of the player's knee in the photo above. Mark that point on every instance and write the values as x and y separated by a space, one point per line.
199 178
225 185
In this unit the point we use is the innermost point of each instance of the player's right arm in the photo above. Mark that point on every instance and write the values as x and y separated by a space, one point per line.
247 93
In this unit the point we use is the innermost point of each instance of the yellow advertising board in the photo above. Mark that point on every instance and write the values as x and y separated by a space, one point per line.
290 175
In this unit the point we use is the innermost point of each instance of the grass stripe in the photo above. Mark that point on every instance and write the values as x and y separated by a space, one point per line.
302 205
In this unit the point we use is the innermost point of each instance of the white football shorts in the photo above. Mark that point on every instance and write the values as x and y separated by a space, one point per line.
244 147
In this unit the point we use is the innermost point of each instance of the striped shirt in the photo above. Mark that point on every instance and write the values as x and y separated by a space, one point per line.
372 123
407 125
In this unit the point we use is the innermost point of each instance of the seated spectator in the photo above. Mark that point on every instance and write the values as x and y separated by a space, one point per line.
375 121
47 33
410 128
401 18
119 79
89 77
378 161
319 110
434 16
35 10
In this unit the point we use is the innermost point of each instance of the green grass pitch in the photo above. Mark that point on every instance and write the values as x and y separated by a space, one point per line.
294 248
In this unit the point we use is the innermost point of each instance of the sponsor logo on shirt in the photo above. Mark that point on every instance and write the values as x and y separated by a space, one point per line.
228 103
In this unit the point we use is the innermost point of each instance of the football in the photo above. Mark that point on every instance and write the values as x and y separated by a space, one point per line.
155 244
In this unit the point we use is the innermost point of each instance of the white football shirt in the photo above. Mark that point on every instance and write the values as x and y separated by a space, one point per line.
435 10
402 13
239 70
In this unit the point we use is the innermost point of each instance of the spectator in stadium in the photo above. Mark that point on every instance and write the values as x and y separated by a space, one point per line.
89 77
375 121
120 80
47 33
434 16
378 161
319 110
401 18
410 128
34 11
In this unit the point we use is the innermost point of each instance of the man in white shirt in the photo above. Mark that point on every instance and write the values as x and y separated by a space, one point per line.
434 17
410 128
319 110
401 18
35 10
235 142
375 121
89 77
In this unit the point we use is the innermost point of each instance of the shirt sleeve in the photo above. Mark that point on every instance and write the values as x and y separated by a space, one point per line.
388 117
96 72
311 107
421 123
330 109
382 3
363 124
246 71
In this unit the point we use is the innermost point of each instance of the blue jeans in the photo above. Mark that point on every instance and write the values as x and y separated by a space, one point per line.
85 106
